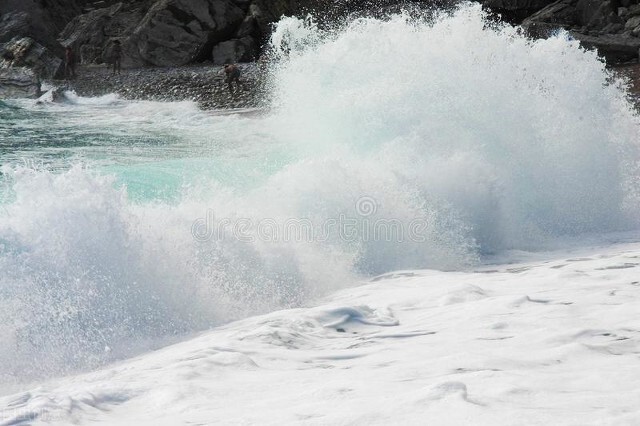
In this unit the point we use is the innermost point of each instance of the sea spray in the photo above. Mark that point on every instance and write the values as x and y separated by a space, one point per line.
524 139
402 143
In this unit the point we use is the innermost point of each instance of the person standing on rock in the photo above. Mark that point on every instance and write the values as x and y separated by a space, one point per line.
233 74
69 63
116 57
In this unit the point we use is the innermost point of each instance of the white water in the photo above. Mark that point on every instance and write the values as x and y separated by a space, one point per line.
493 142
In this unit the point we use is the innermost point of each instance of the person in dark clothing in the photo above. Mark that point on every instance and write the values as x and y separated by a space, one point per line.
233 74
116 56
69 63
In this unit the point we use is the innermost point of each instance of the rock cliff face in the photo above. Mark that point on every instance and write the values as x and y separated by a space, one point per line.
175 32
33 33
26 52
18 82
92 34
611 26
178 32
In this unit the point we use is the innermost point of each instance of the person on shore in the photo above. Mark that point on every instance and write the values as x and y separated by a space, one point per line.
69 63
116 57
233 74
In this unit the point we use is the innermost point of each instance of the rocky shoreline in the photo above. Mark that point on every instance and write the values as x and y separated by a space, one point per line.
203 83
172 49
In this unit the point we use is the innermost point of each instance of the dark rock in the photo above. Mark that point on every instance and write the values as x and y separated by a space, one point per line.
55 95
515 11
614 48
613 18
93 34
233 51
26 52
28 18
57 13
632 23
178 32
613 28
202 83
89 28
592 13
12 24
249 28
598 27
561 14
517 4
18 82
242 4
266 12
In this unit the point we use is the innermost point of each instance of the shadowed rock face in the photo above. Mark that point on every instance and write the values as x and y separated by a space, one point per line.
611 27
27 18
26 52
178 32
92 34
174 32
237 50
514 11
18 82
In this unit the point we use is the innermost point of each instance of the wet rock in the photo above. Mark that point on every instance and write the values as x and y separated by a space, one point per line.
632 23
250 27
26 52
93 34
203 83
516 10
561 14
593 13
267 12
28 18
596 24
18 82
615 48
55 95
613 28
233 51
178 32
88 28
12 24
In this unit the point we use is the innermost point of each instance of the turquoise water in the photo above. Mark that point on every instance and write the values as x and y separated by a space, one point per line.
154 150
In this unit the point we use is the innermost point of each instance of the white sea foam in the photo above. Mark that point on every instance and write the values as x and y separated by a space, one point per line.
490 140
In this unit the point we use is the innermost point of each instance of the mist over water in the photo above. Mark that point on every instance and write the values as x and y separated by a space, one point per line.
490 140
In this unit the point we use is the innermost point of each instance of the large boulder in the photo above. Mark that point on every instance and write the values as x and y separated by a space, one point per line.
236 50
615 48
177 32
560 14
12 24
266 12
92 34
18 82
515 11
597 24
28 18
88 28
26 52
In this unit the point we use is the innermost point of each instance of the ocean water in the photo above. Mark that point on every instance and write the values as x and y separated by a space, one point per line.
404 143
